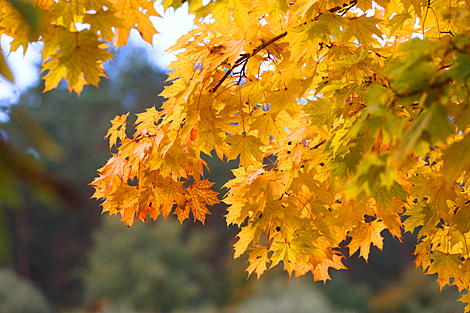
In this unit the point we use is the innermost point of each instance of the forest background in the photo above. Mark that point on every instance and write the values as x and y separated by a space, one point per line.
59 255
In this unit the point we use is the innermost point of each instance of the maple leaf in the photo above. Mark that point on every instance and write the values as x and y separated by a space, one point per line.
319 112
118 130
17 25
462 215
365 235
163 203
392 219
247 147
104 183
320 272
147 121
209 138
397 21
466 299
269 126
145 205
446 265
291 252
285 98
258 260
134 14
364 5
246 236
175 193
241 14
362 28
281 251
79 61
462 281
201 195
103 21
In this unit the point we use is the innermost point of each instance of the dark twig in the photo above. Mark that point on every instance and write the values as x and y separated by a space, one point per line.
317 145
245 57
448 32
346 6
267 43
337 9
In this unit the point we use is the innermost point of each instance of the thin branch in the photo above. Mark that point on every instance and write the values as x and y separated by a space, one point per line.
267 43
245 57
318 145
337 9
346 6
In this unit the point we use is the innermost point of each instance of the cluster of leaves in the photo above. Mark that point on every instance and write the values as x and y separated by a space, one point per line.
75 34
343 125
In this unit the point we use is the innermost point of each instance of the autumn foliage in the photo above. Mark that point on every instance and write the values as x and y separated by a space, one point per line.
343 124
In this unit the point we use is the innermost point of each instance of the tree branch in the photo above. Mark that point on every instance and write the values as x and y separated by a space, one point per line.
245 57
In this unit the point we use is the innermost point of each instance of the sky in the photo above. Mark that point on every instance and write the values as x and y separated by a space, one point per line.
25 67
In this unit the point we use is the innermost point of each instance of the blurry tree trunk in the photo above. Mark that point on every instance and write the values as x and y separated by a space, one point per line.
5 255
23 246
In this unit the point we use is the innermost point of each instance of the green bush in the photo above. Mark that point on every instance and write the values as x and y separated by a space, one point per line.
20 296
287 295
153 267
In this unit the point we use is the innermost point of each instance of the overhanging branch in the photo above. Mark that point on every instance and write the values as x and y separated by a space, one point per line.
245 57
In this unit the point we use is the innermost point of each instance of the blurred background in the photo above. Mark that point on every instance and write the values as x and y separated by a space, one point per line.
58 254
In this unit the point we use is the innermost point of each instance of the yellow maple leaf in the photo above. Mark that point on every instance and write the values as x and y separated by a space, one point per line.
258 260
462 281
118 130
247 147
246 236
103 21
79 60
114 167
362 28
147 120
269 126
466 299
134 14
446 265
163 202
67 13
364 235
176 194
379 130
241 14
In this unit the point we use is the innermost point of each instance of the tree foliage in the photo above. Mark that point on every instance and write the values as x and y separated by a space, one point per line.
343 124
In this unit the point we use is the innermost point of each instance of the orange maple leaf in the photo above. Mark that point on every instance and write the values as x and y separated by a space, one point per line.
200 195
